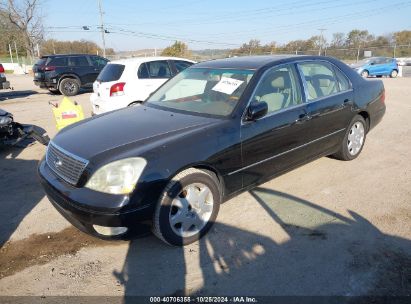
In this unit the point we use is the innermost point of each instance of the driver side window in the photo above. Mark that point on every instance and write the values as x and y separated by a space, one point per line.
279 88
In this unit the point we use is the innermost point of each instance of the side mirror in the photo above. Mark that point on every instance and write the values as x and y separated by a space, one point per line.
372 63
256 110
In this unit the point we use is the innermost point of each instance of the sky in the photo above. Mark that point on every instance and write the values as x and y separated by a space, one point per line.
218 24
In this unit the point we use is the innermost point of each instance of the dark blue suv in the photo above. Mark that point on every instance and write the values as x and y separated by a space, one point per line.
377 66
66 74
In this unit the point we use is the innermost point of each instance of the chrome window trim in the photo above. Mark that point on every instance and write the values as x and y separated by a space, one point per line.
285 152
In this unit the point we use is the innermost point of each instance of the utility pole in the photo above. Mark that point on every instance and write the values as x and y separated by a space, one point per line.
102 28
321 40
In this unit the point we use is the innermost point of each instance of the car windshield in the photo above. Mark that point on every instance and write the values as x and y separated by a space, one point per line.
204 91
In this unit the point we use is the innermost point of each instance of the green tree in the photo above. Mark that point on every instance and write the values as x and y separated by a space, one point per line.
178 49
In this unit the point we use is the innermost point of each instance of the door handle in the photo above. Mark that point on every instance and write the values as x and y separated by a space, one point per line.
303 118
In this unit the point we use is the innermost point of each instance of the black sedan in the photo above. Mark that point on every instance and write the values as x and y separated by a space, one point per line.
216 129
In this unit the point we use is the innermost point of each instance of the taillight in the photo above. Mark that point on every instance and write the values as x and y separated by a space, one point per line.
383 96
1 69
50 68
117 89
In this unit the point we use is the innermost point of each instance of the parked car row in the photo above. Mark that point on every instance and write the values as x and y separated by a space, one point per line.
212 131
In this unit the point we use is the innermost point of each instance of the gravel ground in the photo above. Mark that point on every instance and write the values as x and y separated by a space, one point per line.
327 228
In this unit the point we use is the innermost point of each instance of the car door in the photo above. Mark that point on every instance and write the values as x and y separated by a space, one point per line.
159 72
329 104
275 142
378 67
80 66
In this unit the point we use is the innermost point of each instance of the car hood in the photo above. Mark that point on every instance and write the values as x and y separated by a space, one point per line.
137 125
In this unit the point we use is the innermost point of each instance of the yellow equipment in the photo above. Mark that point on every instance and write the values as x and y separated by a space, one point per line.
67 113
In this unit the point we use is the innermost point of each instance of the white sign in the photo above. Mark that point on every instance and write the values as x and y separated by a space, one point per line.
227 85
367 54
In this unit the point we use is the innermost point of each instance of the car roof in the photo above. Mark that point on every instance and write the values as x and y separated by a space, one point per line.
135 60
249 62
61 55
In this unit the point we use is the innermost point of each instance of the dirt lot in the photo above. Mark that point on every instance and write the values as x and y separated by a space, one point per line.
328 228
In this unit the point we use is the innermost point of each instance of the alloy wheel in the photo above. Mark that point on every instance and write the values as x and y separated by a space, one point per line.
191 210
356 138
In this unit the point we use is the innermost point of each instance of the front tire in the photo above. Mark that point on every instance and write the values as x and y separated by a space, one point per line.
69 86
187 208
354 139
365 74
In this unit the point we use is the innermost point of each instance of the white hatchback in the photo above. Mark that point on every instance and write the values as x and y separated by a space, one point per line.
128 82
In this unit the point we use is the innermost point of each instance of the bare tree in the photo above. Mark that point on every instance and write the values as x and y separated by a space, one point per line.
25 16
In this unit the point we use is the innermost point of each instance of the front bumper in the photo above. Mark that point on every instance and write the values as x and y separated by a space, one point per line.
44 84
83 216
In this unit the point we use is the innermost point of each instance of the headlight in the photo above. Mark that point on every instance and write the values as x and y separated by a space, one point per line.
119 177
5 120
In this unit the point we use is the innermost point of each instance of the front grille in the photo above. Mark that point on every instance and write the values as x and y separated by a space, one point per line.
66 165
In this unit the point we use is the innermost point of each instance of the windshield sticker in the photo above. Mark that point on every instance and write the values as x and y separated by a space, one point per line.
227 85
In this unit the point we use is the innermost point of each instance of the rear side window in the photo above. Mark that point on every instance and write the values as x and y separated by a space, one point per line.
111 72
78 61
320 79
57 61
158 69
181 65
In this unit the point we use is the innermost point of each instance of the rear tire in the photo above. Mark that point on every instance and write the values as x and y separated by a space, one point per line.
187 208
365 74
69 86
354 139
393 74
